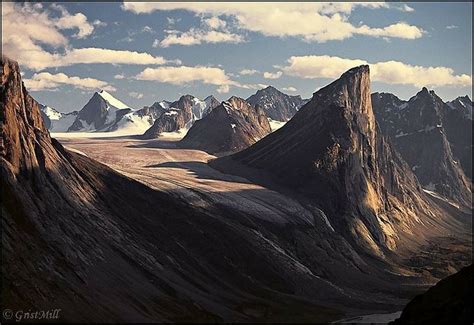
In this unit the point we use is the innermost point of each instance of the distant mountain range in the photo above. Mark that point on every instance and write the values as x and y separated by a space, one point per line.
179 115
105 113
425 130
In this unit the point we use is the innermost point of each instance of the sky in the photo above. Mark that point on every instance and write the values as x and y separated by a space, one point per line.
147 52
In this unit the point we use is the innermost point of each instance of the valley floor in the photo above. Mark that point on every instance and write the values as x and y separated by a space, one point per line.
161 165
185 173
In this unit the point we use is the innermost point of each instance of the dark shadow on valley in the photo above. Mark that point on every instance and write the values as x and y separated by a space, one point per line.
202 171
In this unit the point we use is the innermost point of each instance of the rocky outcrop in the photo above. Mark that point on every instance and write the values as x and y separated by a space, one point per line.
448 302
332 154
232 126
458 124
417 128
179 115
277 105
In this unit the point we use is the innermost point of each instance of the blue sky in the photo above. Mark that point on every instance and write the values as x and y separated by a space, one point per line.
146 52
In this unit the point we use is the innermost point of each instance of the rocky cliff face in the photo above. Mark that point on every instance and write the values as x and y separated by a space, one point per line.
101 113
458 123
179 115
230 127
332 153
417 129
277 105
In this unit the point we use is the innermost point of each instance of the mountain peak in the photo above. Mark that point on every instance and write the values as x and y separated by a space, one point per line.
237 102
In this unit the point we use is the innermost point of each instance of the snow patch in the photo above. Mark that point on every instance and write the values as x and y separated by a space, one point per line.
112 100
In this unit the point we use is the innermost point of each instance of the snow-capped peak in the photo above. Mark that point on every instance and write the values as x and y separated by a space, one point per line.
51 113
111 100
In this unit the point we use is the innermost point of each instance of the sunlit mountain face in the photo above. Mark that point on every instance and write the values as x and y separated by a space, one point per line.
236 162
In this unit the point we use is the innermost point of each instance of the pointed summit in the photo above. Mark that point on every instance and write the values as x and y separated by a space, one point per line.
232 126
277 105
331 154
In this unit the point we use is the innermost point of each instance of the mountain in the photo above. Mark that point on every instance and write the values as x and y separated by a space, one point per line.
232 126
56 121
102 247
332 155
458 124
448 302
105 248
180 114
101 113
277 105
417 130
463 105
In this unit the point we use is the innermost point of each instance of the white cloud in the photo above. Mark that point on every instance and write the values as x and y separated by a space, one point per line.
313 22
270 75
27 28
452 27
136 95
99 55
47 81
76 21
224 89
406 8
290 88
99 23
119 76
248 72
391 72
147 29
215 23
399 30
197 36
184 74
213 30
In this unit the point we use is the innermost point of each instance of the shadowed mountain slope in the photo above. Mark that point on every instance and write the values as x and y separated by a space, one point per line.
332 154
232 126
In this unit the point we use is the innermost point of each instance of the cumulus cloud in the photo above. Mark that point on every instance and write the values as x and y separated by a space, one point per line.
47 81
213 30
28 27
407 8
290 88
224 89
313 22
196 37
119 76
99 23
184 74
76 21
147 29
272 75
248 72
136 95
391 72
452 27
